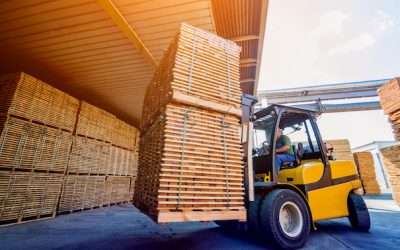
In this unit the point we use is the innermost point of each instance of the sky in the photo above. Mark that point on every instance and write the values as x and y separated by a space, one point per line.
314 42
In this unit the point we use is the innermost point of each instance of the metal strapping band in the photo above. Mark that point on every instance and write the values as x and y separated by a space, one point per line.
182 156
5 135
225 159
54 151
192 63
37 145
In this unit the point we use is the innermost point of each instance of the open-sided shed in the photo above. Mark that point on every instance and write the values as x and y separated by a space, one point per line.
105 51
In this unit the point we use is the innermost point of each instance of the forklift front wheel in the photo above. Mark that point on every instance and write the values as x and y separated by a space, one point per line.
285 218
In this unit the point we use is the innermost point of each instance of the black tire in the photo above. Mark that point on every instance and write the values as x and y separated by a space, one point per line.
358 213
295 232
253 215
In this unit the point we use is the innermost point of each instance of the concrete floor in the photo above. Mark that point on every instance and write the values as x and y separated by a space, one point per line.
123 227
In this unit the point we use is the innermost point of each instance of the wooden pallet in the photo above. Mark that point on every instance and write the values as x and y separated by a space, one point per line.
190 159
27 97
28 146
366 170
94 122
25 195
198 68
89 156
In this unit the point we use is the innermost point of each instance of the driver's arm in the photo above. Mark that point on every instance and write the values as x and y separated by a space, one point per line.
283 149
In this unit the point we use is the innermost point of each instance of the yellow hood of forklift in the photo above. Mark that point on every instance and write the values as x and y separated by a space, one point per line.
312 171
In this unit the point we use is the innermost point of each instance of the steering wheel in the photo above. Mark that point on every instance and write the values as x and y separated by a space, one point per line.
266 147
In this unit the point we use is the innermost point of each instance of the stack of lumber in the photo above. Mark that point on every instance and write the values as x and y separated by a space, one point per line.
46 153
36 125
118 190
125 135
389 95
95 123
89 156
366 170
82 192
391 160
198 69
28 195
190 156
28 98
123 162
25 145
341 149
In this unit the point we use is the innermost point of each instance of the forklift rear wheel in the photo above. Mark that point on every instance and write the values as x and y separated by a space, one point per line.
285 218
358 213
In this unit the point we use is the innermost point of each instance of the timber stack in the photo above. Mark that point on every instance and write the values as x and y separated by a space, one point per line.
366 171
341 149
36 124
59 154
190 155
391 160
389 95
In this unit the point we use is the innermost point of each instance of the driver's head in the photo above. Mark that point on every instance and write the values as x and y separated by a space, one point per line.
279 133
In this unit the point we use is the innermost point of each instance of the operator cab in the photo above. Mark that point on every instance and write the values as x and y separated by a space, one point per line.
297 124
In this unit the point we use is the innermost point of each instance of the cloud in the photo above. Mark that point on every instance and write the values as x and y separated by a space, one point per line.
383 21
332 22
359 43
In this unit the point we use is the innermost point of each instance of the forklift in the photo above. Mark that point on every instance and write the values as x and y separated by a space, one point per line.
283 206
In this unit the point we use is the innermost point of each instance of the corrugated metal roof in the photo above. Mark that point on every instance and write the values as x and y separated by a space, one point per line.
78 47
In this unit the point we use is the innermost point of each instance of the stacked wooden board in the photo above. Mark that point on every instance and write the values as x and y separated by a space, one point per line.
389 95
190 156
53 145
26 97
391 160
36 125
366 170
341 149
28 195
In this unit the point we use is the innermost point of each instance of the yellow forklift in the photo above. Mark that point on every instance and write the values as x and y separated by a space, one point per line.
283 206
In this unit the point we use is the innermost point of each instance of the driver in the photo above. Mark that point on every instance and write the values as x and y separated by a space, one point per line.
284 150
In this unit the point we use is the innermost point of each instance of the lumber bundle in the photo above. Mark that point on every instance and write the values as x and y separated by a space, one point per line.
89 156
198 68
391 160
123 162
95 123
190 156
28 146
389 95
28 98
366 170
125 135
44 150
341 149
118 190
28 195
82 192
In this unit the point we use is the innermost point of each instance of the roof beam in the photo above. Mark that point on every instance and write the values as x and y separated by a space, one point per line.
114 13
248 62
244 38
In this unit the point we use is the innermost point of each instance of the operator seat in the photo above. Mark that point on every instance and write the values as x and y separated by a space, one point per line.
297 161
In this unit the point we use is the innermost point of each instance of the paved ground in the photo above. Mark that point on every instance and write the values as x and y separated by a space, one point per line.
123 227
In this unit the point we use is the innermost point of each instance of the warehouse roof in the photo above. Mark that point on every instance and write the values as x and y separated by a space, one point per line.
105 51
